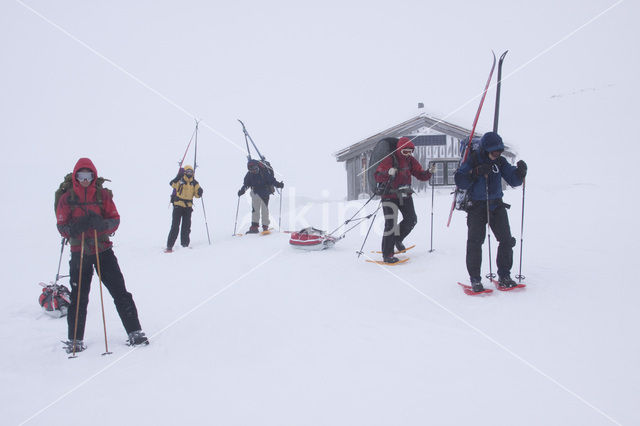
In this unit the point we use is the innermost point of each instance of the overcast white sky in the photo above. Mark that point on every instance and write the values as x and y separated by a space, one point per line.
308 78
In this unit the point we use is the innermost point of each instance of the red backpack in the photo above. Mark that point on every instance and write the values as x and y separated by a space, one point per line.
55 299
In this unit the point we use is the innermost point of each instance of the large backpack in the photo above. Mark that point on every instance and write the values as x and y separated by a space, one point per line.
267 169
384 147
463 201
55 299
67 185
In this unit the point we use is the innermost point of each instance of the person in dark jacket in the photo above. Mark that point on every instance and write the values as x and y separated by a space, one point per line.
395 172
185 188
482 174
83 213
261 183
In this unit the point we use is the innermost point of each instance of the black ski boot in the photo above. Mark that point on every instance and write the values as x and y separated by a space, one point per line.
253 229
399 245
507 282
72 346
476 286
137 338
391 259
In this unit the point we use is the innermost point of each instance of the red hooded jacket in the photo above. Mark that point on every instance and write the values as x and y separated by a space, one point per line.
406 165
78 202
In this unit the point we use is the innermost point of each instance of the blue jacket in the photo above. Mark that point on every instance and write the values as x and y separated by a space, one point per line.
477 185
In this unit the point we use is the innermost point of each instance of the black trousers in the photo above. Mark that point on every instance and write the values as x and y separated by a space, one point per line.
477 228
392 230
180 214
114 282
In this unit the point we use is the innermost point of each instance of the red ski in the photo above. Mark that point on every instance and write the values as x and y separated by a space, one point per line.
473 130
467 290
499 287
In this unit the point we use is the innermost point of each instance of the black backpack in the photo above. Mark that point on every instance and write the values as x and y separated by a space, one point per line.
267 169
463 201
383 148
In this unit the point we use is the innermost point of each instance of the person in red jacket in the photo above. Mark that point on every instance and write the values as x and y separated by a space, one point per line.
82 213
394 174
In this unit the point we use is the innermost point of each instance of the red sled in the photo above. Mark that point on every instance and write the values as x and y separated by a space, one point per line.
311 239
55 299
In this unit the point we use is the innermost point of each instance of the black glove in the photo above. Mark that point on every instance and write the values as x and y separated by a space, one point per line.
200 192
94 220
279 185
521 169
79 226
241 191
482 170
97 222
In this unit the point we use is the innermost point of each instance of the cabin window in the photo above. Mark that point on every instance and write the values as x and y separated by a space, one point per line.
444 174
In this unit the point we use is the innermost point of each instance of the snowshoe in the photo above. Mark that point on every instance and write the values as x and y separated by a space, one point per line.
389 262
507 282
477 286
469 290
71 346
137 338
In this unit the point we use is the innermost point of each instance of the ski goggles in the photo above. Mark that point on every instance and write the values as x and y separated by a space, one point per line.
188 172
88 176
406 151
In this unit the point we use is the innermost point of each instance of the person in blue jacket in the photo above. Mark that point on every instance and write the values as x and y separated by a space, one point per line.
483 167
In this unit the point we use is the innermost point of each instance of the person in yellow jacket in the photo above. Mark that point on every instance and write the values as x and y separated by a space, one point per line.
185 188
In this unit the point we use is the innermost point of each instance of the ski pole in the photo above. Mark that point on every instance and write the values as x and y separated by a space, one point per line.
491 274
235 225
205 220
280 212
432 197
75 326
354 215
62 243
104 321
384 191
521 277
368 231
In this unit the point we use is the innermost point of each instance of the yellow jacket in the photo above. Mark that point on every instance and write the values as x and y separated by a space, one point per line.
186 188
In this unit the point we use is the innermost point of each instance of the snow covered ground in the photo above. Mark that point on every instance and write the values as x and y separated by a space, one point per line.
248 331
